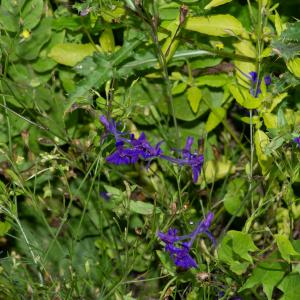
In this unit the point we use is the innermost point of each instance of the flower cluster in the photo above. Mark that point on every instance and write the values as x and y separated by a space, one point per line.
179 246
129 150
255 83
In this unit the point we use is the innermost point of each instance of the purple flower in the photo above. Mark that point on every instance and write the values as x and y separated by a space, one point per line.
194 160
105 196
179 250
111 128
255 83
267 80
297 141
124 156
129 150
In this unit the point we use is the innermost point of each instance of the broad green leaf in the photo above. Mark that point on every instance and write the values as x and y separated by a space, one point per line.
215 117
32 13
239 267
234 196
194 96
246 48
268 274
107 40
215 3
294 66
278 24
179 88
143 208
290 287
67 22
244 98
242 244
234 251
216 25
212 80
270 120
30 48
170 45
69 54
167 262
261 141
8 20
44 64
276 100
215 170
4 228
285 247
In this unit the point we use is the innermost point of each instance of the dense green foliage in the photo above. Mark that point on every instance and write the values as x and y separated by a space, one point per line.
73 226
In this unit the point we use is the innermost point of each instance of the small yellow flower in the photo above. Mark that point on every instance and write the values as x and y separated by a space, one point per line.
25 34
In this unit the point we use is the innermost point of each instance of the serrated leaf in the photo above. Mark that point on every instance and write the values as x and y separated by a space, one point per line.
215 117
70 54
291 32
215 3
194 96
285 247
267 273
215 25
261 141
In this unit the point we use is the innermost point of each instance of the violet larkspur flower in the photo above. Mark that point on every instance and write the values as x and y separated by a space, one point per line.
255 83
179 246
297 141
129 150
194 160
111 128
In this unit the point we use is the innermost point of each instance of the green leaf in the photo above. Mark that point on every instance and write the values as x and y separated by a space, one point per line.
70 54
32 13
167 262
179 88
215 3
9 18
234 196
294 66
72 23
244 98
212 80
107 40
215 118
234 249
242 244
216 25
261 141
268 274
194 96
290 287
4 228
143 208
31 48
285 247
